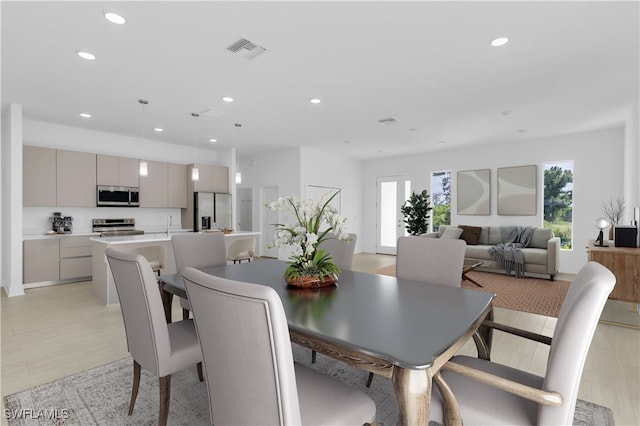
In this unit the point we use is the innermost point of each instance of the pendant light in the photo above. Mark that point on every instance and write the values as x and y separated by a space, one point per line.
195 173
144 167
238 174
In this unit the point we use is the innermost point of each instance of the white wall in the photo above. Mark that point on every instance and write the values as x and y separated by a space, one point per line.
324 168
598 176
632 162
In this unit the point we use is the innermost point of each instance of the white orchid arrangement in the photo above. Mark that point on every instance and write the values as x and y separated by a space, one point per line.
304 236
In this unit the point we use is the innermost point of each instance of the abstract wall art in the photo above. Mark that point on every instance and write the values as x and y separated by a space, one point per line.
474 192
517 190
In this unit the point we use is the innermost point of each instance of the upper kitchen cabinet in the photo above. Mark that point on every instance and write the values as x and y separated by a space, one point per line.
212 179
38 176
177 186
153 187
75 179
117 171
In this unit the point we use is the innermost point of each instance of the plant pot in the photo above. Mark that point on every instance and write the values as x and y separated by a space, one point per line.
312 281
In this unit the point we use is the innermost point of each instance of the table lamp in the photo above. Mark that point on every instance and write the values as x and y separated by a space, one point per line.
601 223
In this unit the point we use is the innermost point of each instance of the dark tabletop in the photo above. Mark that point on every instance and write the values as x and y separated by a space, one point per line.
406 322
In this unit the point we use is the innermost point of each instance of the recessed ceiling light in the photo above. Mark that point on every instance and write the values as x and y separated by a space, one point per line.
314 101
86 55
114 18
440 142
158 129
500 41
85 115
227 99
521 130
347 141
213 140
505 112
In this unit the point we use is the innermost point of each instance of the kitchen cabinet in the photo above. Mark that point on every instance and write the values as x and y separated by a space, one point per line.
54 259
153 187
117 171
41 260
177 186
38 177
75 258
75 179
212 179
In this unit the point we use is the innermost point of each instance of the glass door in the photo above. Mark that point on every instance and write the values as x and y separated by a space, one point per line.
392 193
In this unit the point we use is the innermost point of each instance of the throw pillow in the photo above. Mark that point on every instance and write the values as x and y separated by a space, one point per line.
471 234
452 233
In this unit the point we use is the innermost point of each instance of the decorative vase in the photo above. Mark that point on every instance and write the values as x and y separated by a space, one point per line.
611 232
312 282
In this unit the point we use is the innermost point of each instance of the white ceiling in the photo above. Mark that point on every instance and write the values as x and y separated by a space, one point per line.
569 66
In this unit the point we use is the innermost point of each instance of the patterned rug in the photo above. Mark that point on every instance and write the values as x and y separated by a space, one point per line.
533 295
100 396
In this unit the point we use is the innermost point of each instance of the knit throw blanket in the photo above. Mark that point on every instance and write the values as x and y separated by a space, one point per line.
508 254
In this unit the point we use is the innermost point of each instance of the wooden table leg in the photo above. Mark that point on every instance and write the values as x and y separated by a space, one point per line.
167 300
413 395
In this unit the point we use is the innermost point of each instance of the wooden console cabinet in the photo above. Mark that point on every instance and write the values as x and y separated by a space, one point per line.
624 262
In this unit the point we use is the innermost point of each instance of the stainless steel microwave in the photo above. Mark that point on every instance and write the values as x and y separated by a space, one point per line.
118 196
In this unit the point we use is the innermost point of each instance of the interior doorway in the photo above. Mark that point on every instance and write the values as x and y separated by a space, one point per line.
268 194
245 206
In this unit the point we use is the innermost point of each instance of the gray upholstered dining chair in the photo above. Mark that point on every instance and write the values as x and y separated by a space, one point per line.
153 344
491 393
198 250
249 368
432 260
341 250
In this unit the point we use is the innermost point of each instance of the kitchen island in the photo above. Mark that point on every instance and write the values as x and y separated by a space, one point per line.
103 286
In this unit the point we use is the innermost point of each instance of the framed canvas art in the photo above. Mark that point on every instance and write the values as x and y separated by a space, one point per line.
517 190
474 192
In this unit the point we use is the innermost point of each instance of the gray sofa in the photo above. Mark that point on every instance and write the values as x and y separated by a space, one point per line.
541 257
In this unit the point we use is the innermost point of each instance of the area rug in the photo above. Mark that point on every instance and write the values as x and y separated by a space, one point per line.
533 295
100 396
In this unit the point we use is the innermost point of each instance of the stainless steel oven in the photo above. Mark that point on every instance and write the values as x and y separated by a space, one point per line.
118 196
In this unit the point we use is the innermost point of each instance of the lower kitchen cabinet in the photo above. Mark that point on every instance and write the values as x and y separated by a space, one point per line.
57 260
41 260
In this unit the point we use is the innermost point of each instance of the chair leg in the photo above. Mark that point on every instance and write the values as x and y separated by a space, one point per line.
199 367
165 394
135 386
313 357
369 380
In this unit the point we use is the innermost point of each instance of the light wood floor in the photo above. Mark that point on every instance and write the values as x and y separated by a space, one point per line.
53 332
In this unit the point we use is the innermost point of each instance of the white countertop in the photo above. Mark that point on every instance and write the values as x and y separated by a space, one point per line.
55 235
157 237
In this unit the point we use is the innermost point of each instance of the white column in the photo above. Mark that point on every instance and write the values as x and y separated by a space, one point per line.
11 214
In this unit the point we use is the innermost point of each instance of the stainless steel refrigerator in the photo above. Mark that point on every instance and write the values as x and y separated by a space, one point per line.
211 211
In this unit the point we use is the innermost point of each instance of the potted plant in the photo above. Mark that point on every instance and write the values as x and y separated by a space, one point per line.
416 213
308 265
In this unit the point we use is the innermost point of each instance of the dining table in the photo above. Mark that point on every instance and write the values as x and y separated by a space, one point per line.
400 329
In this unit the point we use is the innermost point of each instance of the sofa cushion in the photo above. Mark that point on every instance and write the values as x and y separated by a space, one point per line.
540 237
480 252
495 235
452 233
484 236
471 234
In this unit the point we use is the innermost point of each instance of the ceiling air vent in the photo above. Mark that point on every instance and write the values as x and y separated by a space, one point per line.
246 49
387 121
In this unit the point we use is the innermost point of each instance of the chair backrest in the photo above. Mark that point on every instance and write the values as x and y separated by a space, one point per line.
199 250
246 351
432 260
241 249
341 250
141 306
572 337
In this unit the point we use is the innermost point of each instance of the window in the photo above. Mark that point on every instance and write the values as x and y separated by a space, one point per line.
558 201
440 199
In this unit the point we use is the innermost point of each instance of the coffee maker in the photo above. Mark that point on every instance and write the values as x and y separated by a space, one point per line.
61 224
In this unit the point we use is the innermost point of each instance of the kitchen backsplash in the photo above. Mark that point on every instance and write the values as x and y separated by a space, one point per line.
35 220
